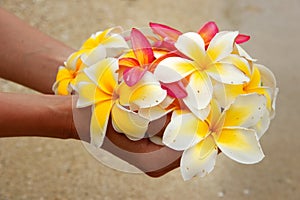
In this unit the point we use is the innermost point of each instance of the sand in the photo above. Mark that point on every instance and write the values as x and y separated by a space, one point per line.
42 168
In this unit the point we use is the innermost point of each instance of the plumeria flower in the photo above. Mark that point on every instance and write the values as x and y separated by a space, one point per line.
100 89
92 51
227 131
136 63
94 48
262 81
200 66
66 75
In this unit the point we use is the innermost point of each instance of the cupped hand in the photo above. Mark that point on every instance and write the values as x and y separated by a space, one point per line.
154 160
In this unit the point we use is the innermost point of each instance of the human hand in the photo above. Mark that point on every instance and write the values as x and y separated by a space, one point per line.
154 160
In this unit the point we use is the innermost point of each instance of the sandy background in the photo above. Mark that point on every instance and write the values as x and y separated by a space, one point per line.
39 168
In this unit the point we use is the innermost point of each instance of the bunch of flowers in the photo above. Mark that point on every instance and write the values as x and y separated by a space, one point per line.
218 97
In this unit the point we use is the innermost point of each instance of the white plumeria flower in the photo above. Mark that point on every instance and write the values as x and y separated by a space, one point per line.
201 65
98 86
228 131
95 48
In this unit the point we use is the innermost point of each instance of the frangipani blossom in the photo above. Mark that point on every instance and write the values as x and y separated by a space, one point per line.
66 75
134 68
201 65
94 48
101 90
265 85
228 131
92 51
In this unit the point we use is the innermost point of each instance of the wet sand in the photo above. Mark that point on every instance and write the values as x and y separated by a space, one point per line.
42 168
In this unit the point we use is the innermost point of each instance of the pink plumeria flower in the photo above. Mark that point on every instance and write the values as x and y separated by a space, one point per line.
136 67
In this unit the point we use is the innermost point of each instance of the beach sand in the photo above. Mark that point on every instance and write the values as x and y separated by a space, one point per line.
42 168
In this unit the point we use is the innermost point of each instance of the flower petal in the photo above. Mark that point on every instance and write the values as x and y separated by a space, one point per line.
267 77
200 113
246 110
173 69
129 122
146 93
64 73
165 31
214 115
63 87
141 47
93 56
255 80
208 31
90 94
199 160
115 41
192 45
128 62
99 120
199 90
241 38
225 94
262 125
175 89
104 74
241 52
227 73
239 62
240 144
133 75
73 59
184 131
154 112
221 45
156 140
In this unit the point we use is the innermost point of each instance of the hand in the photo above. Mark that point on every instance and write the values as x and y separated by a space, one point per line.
155 160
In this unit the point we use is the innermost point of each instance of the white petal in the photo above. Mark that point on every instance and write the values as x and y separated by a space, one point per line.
89 94
221 45
200 113
240 144
246 110
192 45
156 140
173 69
227 73
146 93
199 91
243 53
94 55
99 121
267 77
239 62
272 113
103 74
262 125
199 160
153 113
184 131
129 122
